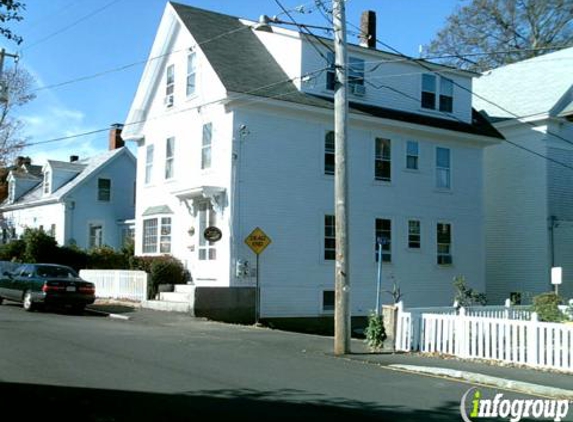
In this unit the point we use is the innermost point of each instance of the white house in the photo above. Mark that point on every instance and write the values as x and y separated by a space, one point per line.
233 122
529 182
84 202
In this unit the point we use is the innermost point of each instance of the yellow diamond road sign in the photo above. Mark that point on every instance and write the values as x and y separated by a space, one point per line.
258 241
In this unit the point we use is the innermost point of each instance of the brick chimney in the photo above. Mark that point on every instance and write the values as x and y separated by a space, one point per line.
115 140
368 29
74 158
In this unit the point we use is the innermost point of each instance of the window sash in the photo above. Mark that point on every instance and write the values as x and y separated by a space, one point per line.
444 243
165 235
206 146
191 73
170 80
328 299
150 235
443 168
47 182
383 231
104 190
383 162
355 71
207 217
330 72
329 153
428 91
412 154
96 236
446 95
169 157
414 234
149 163
329 238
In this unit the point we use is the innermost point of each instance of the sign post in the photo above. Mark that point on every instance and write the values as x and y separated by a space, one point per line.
258 242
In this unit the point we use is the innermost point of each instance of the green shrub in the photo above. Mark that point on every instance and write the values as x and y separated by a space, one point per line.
375 332
39 246
163 269
13 251
72 256
467 296
107 258
547 307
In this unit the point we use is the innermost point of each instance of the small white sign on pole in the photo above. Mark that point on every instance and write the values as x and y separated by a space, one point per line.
556 275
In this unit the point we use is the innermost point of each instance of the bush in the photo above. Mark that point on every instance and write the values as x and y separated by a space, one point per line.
375 332
163 269
107 258
467 296
13 251
39 246
547 307
72 256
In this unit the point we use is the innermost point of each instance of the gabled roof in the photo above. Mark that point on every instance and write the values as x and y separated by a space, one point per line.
244 65
75 167
538 86
89 167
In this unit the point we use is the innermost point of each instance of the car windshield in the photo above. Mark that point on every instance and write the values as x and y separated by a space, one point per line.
53 271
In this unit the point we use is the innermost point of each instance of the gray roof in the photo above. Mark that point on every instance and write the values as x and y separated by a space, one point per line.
74 167
531 87
244 65
88 167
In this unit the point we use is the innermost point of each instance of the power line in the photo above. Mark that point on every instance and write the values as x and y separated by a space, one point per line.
248 94
76 22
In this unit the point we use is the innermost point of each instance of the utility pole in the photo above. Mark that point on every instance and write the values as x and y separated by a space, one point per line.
3 85
342 276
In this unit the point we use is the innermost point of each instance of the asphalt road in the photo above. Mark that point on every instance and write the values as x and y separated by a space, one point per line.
159 367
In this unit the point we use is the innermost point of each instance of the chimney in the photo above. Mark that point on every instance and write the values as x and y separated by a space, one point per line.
19 161
115 140
74 158
368 29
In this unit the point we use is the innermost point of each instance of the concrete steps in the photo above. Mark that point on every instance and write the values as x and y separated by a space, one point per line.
180 300
160 305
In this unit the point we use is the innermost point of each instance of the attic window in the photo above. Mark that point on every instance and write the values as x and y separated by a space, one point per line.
47 182
191 73
11 191
169 85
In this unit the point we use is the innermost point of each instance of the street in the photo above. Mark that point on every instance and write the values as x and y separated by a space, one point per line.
161 366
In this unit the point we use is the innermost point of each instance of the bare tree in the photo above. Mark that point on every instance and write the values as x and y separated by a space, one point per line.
18 83
10 11
484 34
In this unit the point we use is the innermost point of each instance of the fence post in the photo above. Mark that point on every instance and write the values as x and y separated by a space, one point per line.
533 340
461 334
507 305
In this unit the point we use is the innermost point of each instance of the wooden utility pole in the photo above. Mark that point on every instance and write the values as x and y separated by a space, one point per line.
342 276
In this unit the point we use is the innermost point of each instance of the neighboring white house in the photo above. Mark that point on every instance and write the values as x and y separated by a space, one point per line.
233 123
529 194
84 202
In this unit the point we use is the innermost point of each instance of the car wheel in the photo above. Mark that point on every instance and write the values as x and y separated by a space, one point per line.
27 302
1 300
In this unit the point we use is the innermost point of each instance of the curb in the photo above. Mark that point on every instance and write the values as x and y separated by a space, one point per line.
523 387
109 315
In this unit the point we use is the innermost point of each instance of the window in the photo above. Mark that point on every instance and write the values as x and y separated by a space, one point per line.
428 91
328 300
446 95
414 236
444 237
329 238
169 85
206 146
165 238
355 74
169 157
207 218
52 231
95 236
329 153
383 235
47 182
443 168
12 191
149 164
104 190
412 154
191 73
150 235
383 163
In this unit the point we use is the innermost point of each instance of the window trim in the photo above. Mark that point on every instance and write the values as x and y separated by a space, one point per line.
450 254
149 157
169 159
447 188
145 235
356 74
207 146
191 71
323 248
382 159
203 244
416 156
441 84
47 182
169 84
101 190
95 224
323 308
154 242
386 252
329 153
410 234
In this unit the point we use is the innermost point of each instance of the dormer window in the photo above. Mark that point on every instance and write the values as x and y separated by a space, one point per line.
169 85
11 190
47 182
356 80
430 95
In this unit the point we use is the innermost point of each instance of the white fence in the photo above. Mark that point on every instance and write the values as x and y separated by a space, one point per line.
118 284
523 340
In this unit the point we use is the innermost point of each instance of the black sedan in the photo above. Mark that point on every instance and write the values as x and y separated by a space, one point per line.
36 285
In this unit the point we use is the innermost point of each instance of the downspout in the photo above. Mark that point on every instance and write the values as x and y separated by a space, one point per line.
552 224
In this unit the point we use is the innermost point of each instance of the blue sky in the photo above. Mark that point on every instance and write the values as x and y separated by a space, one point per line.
66 40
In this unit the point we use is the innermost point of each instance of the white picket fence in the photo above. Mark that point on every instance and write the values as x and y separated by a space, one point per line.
118 284
503 336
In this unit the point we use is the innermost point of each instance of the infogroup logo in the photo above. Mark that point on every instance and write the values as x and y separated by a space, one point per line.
474 406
